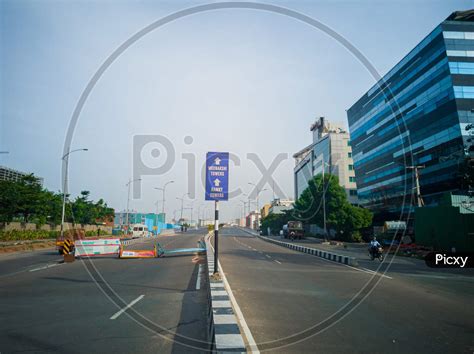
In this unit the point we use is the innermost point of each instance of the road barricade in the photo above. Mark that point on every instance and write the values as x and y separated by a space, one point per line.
138 253
200 249
97 247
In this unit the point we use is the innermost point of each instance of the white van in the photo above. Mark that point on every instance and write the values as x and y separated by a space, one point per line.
140 230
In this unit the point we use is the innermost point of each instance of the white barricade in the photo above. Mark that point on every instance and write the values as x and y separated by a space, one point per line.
96 247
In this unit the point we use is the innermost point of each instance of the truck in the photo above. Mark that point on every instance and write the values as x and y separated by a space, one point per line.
293 230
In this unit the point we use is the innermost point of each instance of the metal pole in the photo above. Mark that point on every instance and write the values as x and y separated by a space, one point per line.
324 201
128 203
64 196
216 236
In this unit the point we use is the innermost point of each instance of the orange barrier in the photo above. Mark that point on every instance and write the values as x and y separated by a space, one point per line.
138 253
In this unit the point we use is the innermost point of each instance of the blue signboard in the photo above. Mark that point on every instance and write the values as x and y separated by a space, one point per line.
217 176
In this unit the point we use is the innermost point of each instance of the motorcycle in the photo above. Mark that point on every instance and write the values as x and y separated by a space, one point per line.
376 252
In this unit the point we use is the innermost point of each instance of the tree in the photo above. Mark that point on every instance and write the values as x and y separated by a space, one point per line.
341 216
275 222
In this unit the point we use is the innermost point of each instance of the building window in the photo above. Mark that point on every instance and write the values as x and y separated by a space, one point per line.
353 192
348 143
351 167
349 155
352 179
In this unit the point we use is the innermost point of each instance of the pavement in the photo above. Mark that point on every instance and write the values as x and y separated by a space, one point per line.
297 303
105 304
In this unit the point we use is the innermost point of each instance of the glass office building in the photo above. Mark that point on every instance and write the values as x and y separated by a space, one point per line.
416 116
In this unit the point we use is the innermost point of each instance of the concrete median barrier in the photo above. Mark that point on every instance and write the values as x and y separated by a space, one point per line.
223 328
330 256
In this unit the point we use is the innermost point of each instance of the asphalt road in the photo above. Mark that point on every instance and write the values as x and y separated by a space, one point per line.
297 303
77 308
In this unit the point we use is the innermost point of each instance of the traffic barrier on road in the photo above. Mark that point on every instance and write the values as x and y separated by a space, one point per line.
138 253
351 261
68 246
97 247
162 251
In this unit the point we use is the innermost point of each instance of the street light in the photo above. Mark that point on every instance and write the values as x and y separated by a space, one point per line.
164 191
128 200
182 201
258 206
65 158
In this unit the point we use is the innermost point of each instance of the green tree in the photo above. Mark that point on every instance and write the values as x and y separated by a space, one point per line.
341 216
275 222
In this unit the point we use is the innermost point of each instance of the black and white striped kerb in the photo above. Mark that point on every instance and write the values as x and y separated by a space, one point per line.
351 261
224 330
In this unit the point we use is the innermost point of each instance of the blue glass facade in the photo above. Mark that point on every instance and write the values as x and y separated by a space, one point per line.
416 115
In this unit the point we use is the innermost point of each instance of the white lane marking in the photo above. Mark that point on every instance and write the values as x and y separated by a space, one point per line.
368 271
267 256
277 261
45 267
238 312
127 307
198 280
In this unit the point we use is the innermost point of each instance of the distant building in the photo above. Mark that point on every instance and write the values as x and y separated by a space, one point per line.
278 206
417 115
265 210
152 220
331 145
251 220
9 174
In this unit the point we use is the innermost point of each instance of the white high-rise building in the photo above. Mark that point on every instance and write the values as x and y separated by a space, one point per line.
331 147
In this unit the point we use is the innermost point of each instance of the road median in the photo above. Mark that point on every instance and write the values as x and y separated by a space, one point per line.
330 256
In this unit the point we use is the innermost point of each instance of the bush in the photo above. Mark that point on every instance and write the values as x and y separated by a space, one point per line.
94 233
21 235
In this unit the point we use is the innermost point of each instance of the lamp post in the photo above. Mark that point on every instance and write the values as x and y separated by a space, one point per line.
182 202
130 181
258 206
65 158
163 189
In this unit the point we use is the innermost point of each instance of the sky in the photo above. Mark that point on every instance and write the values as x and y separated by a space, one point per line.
237 80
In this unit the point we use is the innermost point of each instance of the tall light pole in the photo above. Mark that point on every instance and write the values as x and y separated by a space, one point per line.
182 203
258 205
65 158
324 196
164 191
130 181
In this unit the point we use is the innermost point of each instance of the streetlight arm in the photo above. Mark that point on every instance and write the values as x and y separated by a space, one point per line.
70 152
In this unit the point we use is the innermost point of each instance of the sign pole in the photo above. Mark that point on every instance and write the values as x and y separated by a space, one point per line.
216 237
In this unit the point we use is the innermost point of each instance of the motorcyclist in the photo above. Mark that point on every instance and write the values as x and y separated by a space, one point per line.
374 246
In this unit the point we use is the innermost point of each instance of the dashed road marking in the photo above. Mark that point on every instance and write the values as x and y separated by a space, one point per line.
277 261
45 267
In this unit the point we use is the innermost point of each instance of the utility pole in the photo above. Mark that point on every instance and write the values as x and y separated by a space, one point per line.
324 200
182 204
164 191
128 201
65 158
419 199
258 204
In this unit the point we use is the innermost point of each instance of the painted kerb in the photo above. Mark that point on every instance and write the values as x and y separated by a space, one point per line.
223 331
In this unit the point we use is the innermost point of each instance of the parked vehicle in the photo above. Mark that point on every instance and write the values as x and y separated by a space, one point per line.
293 230
140 230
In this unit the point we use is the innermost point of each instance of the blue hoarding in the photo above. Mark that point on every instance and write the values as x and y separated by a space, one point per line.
217 176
